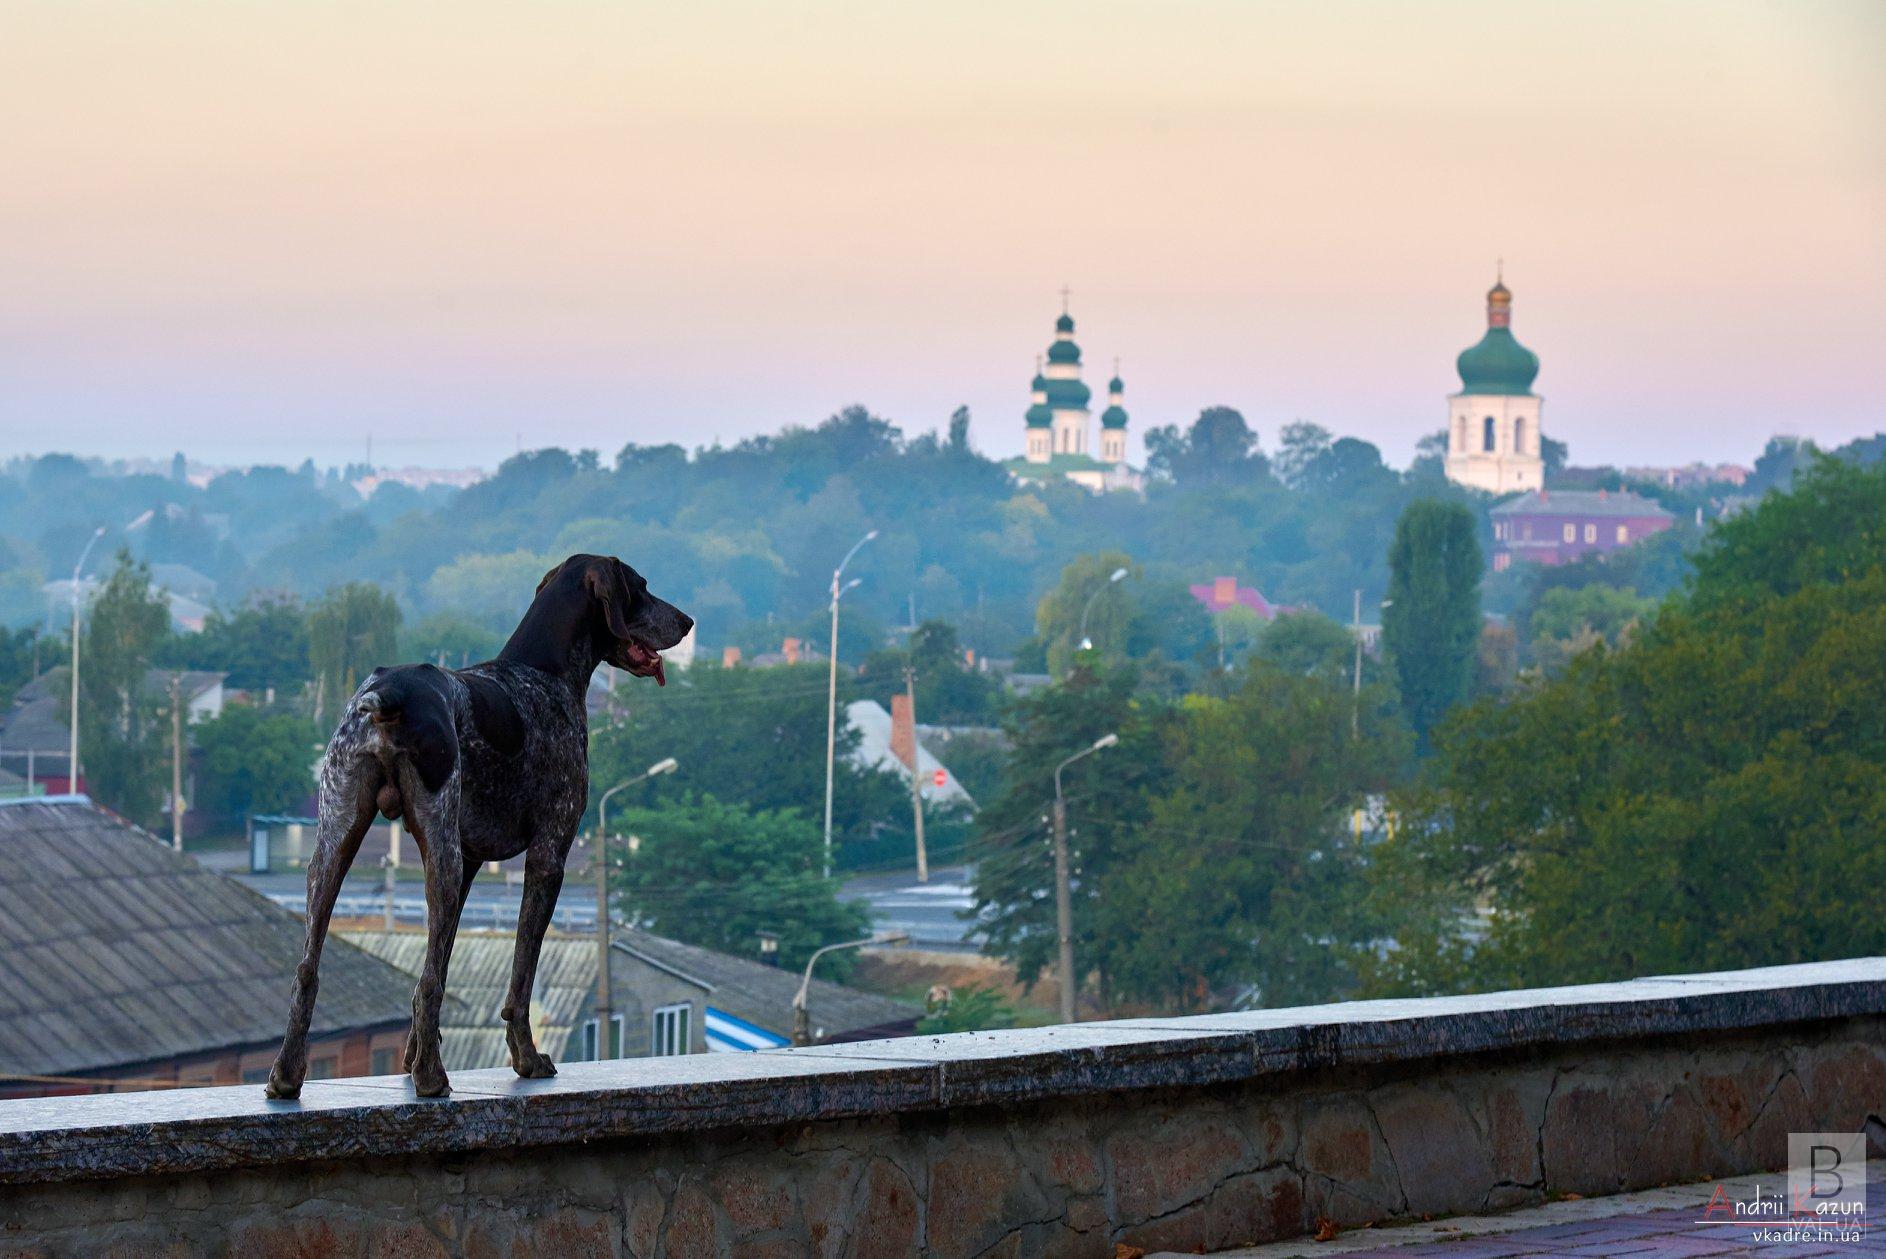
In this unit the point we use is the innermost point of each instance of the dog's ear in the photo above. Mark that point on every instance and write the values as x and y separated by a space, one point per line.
548 576
607 586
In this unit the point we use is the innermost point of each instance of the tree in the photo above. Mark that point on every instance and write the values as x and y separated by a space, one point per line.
1300 445
1567 622
19 656
1431 625
959 430
754 738
1085 591
717 874
123 725
977 1008
1218 448
1554 453
949 692
1705 797
1309 644
255 761
261 645
351 631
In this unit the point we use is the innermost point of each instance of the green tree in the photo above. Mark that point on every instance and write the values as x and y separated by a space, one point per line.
717 874
260 645
1704 797
1309 644
351 631
1567 622
949 691
19 654
753 738
1431 626
1086 591
977 1008
124 724
255 761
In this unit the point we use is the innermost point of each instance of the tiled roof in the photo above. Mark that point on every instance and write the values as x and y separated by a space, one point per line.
115 950
1579 503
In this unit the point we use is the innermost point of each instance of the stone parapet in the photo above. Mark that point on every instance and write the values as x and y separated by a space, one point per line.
1175 1133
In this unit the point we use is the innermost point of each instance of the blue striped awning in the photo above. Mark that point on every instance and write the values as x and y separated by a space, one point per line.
729 1035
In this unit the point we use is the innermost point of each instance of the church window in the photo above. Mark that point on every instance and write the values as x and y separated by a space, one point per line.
1624 533
1571 533
1486 435
1591 533
1519 435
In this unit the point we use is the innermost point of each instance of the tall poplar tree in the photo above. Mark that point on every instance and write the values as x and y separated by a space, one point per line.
1431 626
124 726
353 629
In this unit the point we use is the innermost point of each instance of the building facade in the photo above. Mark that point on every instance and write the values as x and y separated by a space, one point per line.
1058 423
1558 526
1493 434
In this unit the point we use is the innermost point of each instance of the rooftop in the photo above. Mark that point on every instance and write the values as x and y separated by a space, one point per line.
1579 503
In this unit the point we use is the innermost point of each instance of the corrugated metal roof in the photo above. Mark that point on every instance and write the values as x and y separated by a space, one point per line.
1580 503
115 950
762 995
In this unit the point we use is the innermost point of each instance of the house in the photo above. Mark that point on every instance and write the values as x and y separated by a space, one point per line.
1558 526
35 739
888 740
1222 593
125 966
666 998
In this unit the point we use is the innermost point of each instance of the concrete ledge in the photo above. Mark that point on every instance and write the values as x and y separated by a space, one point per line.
226 1129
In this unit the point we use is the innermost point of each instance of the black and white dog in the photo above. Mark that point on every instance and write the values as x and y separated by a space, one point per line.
482 763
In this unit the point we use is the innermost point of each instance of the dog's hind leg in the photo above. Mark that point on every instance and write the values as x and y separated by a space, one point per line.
543 878
346 810
435 822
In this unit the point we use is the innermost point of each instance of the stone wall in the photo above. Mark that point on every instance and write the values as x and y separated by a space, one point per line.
1166 1134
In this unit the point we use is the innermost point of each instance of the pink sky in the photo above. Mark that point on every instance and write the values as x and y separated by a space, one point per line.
262 231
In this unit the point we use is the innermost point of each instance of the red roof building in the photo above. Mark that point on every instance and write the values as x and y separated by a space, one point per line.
1558 526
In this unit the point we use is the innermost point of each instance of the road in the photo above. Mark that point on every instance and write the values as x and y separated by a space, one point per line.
928 913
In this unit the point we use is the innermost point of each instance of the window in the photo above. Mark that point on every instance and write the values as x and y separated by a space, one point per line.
324 1068
616 1026
1486 434
383 1061
1591 533
255 1075
670 1031
1519 435
1624 534
1571 533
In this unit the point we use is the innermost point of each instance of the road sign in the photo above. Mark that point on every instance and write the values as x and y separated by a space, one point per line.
940 778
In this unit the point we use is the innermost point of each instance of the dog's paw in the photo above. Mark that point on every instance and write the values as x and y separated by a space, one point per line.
535 1067
281 1087
429 1080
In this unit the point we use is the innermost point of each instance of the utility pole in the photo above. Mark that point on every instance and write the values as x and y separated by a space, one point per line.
176 761
1355 708
1063 893
831 692
916 776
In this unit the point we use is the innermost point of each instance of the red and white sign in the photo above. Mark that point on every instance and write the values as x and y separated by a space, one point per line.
940 778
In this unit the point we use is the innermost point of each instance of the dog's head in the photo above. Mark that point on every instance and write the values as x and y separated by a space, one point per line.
631 627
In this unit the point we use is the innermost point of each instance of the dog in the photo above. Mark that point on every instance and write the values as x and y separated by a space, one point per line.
482 763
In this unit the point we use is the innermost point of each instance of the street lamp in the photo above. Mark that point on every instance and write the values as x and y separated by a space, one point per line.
801 1016
831 691
1118 575
1063 897
664 766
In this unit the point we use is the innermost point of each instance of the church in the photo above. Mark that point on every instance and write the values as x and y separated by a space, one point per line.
1493 437
1058 422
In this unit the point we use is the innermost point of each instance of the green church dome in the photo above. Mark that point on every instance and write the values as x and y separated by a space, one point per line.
1498 364
1064 352
1066 394
1115 386
1065 323
1039 384
1039 416
1113 417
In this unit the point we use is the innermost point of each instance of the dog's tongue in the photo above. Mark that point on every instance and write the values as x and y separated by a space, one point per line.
661 676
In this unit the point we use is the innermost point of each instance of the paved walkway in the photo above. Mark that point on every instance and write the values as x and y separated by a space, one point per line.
1651 1225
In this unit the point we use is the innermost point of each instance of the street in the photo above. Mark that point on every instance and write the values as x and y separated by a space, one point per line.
928 913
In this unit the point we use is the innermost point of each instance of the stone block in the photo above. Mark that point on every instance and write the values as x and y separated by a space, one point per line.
1441 1158
756 1193
1167 1158
977 1189
694 1226
886 1215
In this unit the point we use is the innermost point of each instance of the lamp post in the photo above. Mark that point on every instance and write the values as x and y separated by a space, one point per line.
72 756
801 1016
1063 895
1116 576
831 691
599 858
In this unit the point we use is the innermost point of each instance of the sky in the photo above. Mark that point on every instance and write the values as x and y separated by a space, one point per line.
262 231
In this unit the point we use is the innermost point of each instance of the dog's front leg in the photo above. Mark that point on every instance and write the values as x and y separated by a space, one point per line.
435 823
543 878
346 810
